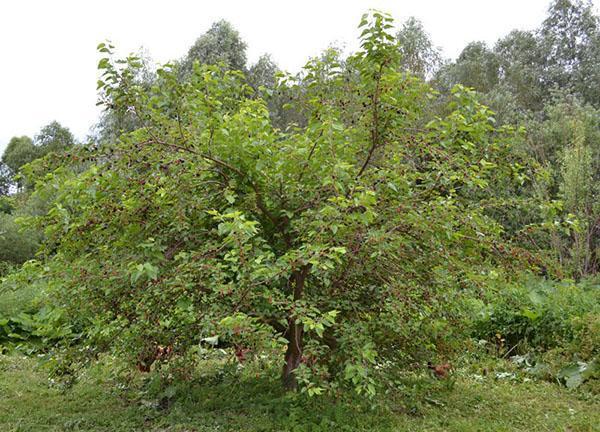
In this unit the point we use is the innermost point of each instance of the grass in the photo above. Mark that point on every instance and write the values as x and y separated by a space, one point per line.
245 403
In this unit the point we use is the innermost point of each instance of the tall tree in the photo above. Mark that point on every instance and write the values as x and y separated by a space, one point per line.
262 77
476 67
525 68
54 138
18 152
221 44
419 55
569 37
5 179
263 73
519 58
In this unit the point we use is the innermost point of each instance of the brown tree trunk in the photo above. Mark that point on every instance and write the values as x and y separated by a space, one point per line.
293 354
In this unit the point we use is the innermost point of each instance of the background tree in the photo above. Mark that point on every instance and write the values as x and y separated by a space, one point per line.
115 120
54 138
263 73
567 142
23 150
221 44
545 81
263 78
18 152
476 67
519 58
16 245
569 41
526 67
5 179
418 54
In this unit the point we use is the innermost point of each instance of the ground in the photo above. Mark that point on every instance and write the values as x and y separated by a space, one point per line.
29 402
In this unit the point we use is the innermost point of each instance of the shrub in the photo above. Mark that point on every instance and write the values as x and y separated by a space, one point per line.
542 314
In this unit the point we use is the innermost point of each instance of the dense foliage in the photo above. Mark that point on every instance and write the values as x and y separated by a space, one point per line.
341 241
546 81
365 216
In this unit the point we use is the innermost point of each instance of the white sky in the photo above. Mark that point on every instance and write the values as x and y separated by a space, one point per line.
48 48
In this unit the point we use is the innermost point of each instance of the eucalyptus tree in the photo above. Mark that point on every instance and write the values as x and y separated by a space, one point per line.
418 53
476 67
569 37
221 44
263 76
520 58
18 152
5 179
54 138
528 66
263 73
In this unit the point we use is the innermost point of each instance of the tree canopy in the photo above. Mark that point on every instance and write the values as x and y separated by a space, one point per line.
208 222
221 44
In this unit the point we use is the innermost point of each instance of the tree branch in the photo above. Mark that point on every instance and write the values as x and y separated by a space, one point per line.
375 129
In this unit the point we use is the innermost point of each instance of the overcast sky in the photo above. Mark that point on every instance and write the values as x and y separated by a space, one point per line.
48 48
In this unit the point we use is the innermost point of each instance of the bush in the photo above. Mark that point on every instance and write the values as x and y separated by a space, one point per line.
27 321
16 246
538 313
549 328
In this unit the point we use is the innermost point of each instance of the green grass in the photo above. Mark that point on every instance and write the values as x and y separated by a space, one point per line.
245 403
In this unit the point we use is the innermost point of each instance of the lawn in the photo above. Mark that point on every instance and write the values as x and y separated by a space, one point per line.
29 402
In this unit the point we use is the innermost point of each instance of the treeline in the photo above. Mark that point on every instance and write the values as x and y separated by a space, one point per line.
18 245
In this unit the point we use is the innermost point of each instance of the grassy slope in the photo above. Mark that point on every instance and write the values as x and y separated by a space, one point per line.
27 403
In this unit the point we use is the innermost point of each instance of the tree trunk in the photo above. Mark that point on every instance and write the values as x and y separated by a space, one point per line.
293 334
293 355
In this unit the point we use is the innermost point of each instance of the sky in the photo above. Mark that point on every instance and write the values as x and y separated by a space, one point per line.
48 52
